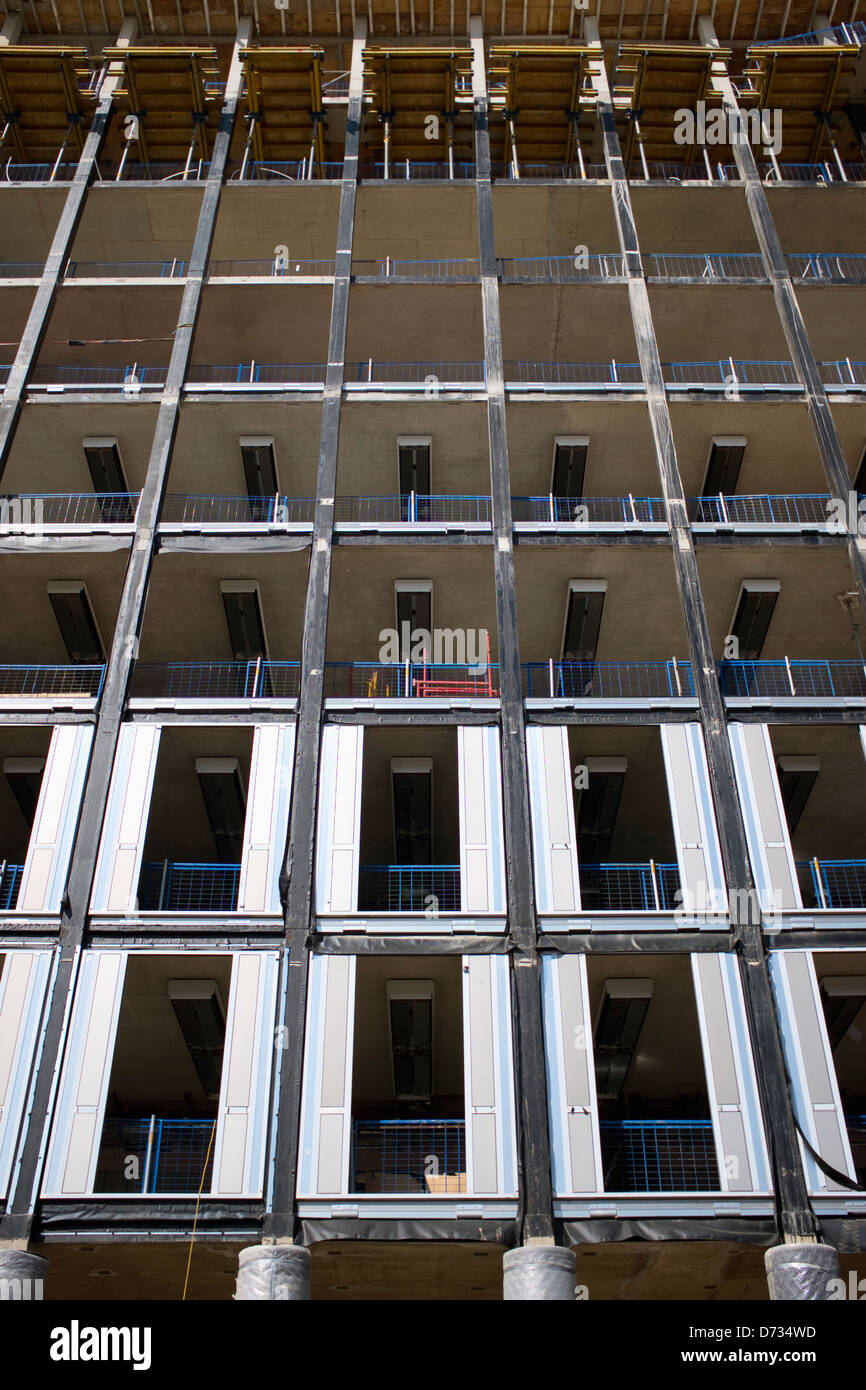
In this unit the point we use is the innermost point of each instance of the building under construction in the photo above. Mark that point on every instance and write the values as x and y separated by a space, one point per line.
432 682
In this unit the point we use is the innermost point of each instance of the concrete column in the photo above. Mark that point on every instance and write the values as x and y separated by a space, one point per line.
801 1271
11 31
274 1272
539 1274
21 1275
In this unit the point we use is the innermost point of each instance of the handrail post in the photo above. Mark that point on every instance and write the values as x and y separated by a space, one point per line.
790 676
725 518
676 667
162 884
652 865
257 677
550 676
822 900
552 507
149 1153
413 512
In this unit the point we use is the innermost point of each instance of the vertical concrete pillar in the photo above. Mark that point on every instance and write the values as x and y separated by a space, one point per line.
801 1272
538 1274
274 1272
22 1275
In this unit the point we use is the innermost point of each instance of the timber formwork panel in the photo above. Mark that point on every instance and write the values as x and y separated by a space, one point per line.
539 93
806 84
283 102
403 88
165 88
42 98
653 82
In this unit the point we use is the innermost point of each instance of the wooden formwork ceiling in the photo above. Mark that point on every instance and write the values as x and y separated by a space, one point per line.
166 90
537 91
736 21
283 102
42 98
804 83
405 88
652 83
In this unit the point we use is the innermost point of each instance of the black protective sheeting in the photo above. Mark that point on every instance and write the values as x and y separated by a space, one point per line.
846 1233
363 945
645 943
743 1230
314 1230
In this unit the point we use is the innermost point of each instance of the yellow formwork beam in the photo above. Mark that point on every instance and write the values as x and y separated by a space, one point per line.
41 97
802 81
284 101
165 89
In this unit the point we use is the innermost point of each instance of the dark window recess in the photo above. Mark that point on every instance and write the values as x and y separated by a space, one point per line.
796 787
569 469
260 470
597 810
414 464
415 607
860 479
582 625
751 621
24 780
245 624
225 803
199 1013
840 1011
412 1046
107 476
723 469
413 810
616 1036
77 624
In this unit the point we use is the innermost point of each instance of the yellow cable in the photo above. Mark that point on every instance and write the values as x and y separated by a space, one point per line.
197 1204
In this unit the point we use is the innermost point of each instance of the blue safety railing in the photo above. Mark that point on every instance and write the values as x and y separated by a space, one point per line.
379 680
217 680
409 888
561 269
547 171
37 173
173 1156
779 509
171 887
20 270
588 511
704 266
10 882
611 680
607 374
284 171
825 171
730 371
430 375
657 171
272 269
166 171
837 883
659 1156
834 679
283 374
213 510
29 510
389 268
113 270
839 267
416 169
647 887
413 508
409 1156
48 681
126 378
844 372
837 33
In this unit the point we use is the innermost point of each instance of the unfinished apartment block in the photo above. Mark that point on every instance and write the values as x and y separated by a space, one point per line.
432 681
